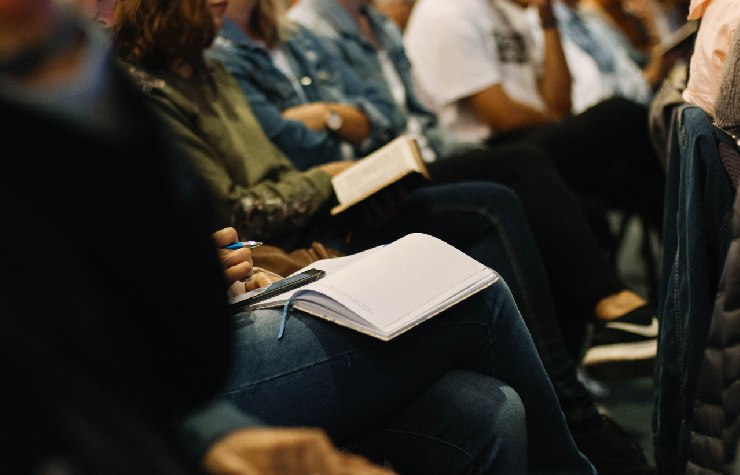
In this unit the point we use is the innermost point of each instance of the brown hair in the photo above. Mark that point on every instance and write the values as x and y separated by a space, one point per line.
158 33
267 22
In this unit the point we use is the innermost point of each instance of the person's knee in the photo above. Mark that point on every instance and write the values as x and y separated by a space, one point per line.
495 413
507 414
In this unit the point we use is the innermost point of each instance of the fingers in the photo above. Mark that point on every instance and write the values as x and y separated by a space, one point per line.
334 168
237 263
270 451
224 237
354 465
261 278
236 257
239 271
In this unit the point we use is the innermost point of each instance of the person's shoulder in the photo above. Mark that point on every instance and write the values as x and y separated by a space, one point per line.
148 82
159 88
441 11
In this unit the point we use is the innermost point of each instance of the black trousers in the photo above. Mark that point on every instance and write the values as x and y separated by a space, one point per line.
578 268
604 152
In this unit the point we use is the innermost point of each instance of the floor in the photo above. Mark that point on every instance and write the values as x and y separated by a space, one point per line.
629 400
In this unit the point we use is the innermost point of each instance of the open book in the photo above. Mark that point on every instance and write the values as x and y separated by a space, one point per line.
386 290
376 171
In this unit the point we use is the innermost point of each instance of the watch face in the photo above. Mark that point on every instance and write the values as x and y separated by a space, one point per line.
333 121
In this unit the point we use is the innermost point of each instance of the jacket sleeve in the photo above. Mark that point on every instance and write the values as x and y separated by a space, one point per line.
377 106
201 429
274 207
304 147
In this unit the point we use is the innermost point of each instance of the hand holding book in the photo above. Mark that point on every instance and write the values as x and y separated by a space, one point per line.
388 165
387 290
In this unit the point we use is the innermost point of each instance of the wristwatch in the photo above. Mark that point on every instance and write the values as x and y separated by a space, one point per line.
333 121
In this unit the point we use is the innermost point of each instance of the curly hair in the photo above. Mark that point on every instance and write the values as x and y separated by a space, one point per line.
158 33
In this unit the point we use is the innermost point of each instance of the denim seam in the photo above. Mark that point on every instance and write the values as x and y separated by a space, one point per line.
344 354
473 459
678 321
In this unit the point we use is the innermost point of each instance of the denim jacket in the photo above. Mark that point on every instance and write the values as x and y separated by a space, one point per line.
329 19
323 79
696 236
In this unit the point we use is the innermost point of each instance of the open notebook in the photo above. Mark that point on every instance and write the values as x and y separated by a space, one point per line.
386 290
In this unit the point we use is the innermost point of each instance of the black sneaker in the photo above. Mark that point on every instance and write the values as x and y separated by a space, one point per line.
609 448
632 337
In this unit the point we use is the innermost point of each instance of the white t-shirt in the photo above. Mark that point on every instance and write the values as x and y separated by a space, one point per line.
461 47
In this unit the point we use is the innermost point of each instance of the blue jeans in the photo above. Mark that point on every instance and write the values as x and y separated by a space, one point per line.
696 235
487 221
464 392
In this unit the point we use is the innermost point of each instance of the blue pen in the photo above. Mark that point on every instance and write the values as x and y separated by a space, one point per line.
239 245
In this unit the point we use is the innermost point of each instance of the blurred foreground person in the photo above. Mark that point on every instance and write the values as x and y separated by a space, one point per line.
109 340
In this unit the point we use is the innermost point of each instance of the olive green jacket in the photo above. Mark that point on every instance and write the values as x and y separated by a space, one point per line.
256 188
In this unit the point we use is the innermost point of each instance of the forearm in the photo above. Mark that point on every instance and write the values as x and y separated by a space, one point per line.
502 114
355 125
555 84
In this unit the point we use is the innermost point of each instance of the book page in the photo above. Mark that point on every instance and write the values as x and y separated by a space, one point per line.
376 171
403 280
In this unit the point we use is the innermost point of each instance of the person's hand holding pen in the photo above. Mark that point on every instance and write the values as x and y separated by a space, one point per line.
236 258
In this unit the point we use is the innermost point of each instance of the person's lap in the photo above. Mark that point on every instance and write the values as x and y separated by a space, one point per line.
320 374
486 221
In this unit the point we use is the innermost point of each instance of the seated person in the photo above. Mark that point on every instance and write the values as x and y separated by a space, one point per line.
113 353
617 73
514 96
256 187
635 22
252 39
379 397
111 341
367 37
170 92
268 58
